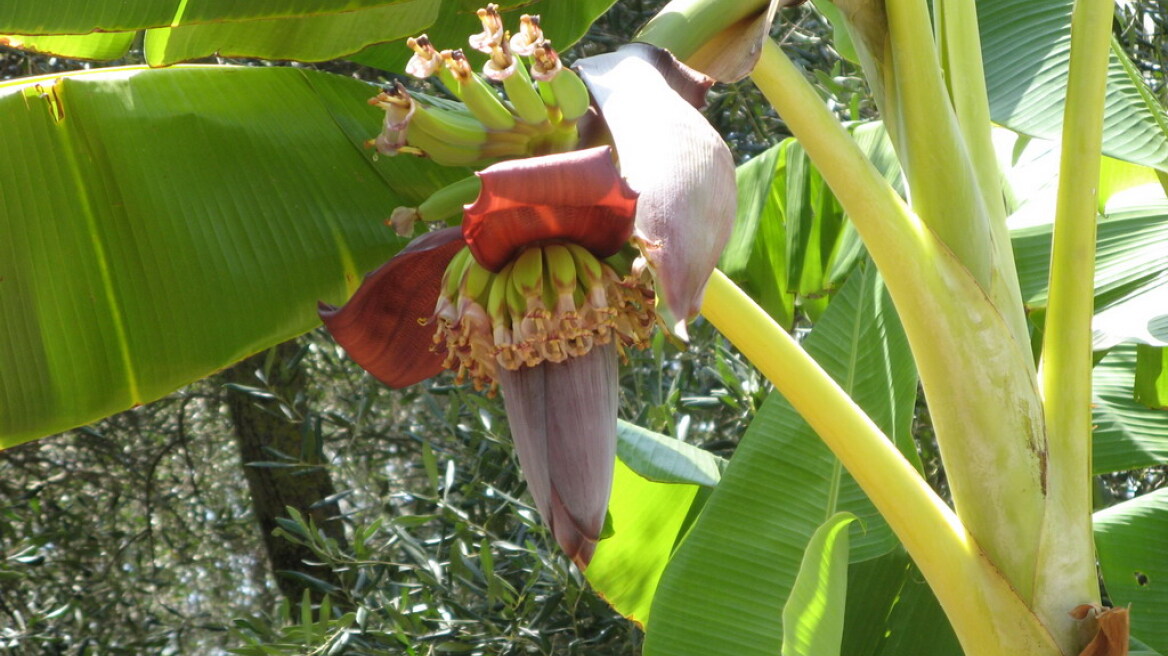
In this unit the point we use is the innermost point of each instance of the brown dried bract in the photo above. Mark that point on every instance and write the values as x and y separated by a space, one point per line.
1112 633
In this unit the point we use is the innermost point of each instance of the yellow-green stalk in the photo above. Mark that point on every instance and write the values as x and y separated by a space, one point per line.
959 43
942 183
987 615
983 398
1066 576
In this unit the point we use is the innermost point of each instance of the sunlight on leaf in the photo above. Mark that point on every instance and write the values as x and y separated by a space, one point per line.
813 617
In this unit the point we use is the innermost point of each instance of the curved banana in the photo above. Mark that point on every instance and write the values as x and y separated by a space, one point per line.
447 202
571 95
452 127
476 93
476 283
527 101
443 152
527 277
452 278
561 268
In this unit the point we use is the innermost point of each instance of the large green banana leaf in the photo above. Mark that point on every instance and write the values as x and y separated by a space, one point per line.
1026 51
1128 434
1026 55
160 225
302 30
84 16
889 603
1132 538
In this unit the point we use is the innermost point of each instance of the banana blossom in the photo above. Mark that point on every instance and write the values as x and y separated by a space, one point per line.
563 261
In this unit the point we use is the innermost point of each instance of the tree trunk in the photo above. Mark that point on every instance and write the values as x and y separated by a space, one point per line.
260 422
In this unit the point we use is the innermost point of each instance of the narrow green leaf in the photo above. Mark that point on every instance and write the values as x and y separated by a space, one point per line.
326 615
1131 539
305 612
813 617
430 463
665 459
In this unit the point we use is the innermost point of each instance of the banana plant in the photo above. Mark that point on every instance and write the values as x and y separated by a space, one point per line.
144 208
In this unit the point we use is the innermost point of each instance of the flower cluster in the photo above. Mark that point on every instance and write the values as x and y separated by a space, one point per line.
564 259
545 100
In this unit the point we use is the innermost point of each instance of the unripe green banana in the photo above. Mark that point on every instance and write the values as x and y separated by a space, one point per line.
622 261
527 101
447 202
452 127
527 277
497 298
454 272
476 282
521 133
516 304
442 152
548 96
571 94
588 267
561 268
474 91
499 149
482 101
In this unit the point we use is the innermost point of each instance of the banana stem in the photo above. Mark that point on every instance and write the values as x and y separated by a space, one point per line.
985 611
960 48
994 458
940 175
874 206
684 26
1065 576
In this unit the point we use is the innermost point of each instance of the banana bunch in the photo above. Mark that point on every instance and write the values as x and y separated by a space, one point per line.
550 303
538 115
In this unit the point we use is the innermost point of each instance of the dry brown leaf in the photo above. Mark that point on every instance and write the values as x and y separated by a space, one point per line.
1112 629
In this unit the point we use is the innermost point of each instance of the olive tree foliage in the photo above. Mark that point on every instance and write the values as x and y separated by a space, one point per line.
135 535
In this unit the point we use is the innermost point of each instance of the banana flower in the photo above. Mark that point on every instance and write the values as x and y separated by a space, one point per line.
565 259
